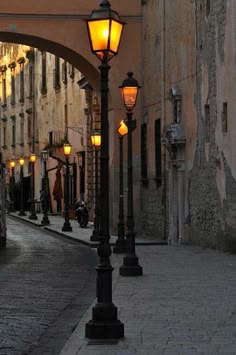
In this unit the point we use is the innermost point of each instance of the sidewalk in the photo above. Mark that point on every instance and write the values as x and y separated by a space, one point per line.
185 303
82 235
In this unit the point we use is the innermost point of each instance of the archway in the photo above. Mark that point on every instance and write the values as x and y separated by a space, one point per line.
61 30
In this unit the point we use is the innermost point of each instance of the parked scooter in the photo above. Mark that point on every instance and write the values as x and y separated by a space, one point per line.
81 213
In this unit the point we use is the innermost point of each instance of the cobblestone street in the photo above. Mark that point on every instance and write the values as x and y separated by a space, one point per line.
47 284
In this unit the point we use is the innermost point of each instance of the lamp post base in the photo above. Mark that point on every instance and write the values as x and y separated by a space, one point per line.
66 227
131 266
33 216
95 236
21 213
104 324
45 221
120 246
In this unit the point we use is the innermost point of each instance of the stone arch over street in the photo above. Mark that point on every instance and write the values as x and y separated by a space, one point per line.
76 59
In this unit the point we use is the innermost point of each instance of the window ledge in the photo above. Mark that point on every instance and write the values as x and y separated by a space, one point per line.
144 181
158 181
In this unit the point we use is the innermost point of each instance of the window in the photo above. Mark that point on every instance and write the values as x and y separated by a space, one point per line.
64 73
207 122
208 7
71 71
21 61
13 139
29 132
4 85
4 136
44 73
66 116
144 152
224 118
158 150
30 56
13 89
22 128
30 81
56 72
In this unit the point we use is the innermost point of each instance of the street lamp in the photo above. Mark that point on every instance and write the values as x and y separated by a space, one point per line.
130 265
44 194
22 210
67 227
96 143
104 30
12 187
120 246
32 159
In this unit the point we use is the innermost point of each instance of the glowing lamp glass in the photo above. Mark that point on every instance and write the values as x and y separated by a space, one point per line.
32 158
22 161
129 96
104 30
67 149
12 163
123 129
96 140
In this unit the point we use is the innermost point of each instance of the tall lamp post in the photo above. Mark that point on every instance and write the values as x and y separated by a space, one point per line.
105 30
22 210
120 246
130 265
32 159
67 227
45 221
12 186
96 143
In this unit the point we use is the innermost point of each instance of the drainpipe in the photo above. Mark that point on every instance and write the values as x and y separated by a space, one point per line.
163 123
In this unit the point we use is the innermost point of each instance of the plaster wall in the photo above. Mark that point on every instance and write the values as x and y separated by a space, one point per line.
168 59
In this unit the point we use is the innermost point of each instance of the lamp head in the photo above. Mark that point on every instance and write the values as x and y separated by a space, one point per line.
32 157
122 129
96 139
129 90
67 149
12 163
44 155
104 29
22 161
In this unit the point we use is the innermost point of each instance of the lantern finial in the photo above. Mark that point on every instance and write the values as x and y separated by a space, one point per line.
105 3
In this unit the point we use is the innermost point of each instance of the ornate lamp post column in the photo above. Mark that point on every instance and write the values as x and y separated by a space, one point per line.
32 159
67 227
104 29
130 265
120 246
96 143
12 187
45 221
22 210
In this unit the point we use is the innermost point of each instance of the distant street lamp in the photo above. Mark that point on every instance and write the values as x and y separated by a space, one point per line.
120 246
67 226
130 265
104 29
96 143
32 159
22 210
44 195
12 207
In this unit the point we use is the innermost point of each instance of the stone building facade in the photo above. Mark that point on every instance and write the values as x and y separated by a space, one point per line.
188 64
44 102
